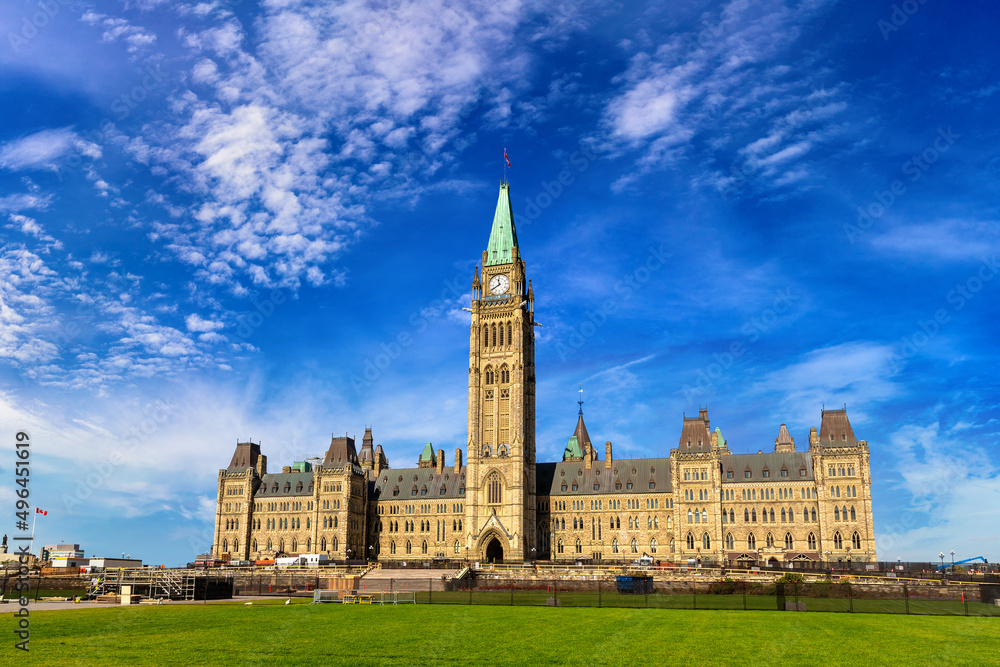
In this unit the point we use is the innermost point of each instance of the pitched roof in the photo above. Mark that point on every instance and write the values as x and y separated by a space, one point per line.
573 449
341 451
756 464
410 483
284 484
835 429
428 453
784 437
503 236
550 477
695 436
245 456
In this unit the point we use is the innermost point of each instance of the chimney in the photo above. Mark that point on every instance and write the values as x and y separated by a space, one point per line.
715 439
588 457
813 437
286 468
440 462
607 454
458 461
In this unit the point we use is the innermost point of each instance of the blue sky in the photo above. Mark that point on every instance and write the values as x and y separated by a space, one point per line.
216 216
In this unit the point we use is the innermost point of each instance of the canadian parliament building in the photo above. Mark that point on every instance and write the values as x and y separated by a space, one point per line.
701 503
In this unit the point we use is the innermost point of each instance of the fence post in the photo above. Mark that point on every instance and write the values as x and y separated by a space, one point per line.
795 588
743 585
965 599
694 596
430 591
850 595
598 593
906 597
511 592
555 591
469 580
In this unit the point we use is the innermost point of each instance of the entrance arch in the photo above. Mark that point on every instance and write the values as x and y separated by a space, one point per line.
494 551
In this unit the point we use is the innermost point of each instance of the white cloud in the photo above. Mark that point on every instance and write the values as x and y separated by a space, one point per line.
45 150
945 240
195 323
725 79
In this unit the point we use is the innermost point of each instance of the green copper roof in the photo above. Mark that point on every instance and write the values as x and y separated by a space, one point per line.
720 439
428 453
503 236
573 449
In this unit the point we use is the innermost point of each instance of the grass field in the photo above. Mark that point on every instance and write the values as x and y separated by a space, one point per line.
270 633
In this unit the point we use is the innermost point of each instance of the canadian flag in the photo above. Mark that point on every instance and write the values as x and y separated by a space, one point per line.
41 511
505 156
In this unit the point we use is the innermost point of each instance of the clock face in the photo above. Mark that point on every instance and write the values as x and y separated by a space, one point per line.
499 284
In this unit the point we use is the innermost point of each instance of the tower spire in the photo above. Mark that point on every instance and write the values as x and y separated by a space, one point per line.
503 235
580 402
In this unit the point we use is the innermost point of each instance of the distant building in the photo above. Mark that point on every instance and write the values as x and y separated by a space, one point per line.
699 502
61 551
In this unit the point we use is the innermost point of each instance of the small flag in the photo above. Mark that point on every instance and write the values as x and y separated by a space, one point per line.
41 511
505 156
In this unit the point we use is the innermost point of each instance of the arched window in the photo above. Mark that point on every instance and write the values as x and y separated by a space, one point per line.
335 521
783 516
652 546
618 523
706 541
630 523
423 547
458 548
690 518
494 495
392 547
409 548
225 546
281 545
751 542
510 338
836 514
854 516
838 540
791 515
788 541
811 541
335 544
769 540
269 546
494 335
814 514
746 516
656 523
704 516
579 546
295 544
254 545
690 541
614 546
635 546
729 541
855 541
753 515
309 542
501 335
559 546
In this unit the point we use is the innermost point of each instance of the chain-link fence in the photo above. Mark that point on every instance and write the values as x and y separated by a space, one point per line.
829 596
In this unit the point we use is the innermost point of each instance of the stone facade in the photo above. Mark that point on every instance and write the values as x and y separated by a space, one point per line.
701 502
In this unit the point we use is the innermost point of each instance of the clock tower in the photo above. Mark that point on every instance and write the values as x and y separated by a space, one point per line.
500 474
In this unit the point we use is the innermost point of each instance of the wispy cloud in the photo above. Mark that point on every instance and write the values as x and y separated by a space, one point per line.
44 150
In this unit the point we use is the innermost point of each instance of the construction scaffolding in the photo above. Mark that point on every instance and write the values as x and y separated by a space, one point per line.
163 584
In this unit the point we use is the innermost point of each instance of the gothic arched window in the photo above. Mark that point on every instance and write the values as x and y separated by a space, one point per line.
751 542
690 541
486 336
811 541
494 335
510 338
729 541
838 540
501 335
788 541
494 494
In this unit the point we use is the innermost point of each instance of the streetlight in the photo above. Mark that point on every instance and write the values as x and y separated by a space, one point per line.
941 556
952 561
899 563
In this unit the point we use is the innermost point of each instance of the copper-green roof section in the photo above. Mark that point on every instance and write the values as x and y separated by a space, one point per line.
428 453
503 236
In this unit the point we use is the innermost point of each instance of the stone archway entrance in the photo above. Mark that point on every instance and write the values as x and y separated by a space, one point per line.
494 551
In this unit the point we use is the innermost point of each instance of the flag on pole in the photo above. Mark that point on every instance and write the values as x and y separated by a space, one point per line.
41 511
505 156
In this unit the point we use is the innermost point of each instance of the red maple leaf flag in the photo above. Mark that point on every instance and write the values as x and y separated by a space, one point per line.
41 511
505 156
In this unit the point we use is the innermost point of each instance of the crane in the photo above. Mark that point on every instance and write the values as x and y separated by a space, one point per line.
967 560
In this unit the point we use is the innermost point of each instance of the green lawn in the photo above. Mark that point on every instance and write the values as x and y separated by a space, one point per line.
270 633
